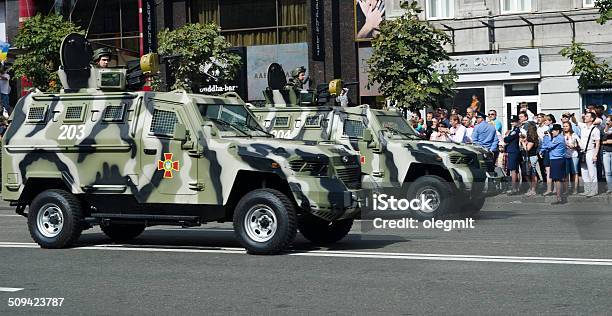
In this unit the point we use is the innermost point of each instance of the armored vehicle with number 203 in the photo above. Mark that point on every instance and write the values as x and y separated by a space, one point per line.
98 154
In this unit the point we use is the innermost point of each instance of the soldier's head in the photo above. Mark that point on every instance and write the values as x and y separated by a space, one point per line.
299 73
102 57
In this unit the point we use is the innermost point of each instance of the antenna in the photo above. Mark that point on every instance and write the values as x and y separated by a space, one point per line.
91 19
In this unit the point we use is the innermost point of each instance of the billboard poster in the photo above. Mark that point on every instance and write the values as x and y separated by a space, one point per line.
368 16
290 56
364 54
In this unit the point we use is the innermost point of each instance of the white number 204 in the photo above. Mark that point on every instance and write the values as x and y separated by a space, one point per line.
72 132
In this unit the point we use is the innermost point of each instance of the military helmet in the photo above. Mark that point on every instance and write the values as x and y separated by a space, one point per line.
296 72
104 51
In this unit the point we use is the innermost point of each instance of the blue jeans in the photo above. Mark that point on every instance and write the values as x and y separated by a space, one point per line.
5 103
607 164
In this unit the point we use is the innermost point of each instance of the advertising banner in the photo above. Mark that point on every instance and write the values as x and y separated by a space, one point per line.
289 56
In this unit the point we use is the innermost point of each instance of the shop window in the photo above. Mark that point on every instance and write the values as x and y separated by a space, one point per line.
440 9
114 23
248 23
512 90
515 6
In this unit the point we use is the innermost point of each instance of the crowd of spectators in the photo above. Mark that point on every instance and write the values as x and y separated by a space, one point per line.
535 148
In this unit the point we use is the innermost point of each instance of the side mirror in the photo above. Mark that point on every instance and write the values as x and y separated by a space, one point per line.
180 132
367 135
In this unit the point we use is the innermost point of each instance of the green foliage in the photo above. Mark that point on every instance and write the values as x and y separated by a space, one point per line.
403 58
605 11
585 65
40 38
199 45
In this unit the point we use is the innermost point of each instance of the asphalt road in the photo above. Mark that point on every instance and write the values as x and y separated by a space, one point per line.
520 258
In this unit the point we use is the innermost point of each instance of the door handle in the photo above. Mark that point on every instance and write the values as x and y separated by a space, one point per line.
149 151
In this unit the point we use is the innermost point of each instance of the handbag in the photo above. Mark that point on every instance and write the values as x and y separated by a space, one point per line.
582 154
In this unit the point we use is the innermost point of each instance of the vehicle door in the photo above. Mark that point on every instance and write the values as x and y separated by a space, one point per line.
169 162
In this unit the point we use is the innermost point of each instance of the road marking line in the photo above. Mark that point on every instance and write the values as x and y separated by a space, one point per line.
10 215
340 254
10 289
194 229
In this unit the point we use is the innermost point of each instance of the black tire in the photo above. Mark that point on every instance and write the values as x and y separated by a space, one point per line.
435 185
267 207
473 206
322 232
56 206
122 232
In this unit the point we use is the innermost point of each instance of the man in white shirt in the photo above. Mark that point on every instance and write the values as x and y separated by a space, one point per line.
589 146
5 90
457 131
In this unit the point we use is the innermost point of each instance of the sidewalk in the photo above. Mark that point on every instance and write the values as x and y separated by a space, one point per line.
600 199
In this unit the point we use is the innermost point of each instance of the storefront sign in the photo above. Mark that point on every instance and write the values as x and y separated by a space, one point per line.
290 56
513 62
318 34
149 33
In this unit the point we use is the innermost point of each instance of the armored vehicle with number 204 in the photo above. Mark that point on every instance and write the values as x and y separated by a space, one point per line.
392 156
97 154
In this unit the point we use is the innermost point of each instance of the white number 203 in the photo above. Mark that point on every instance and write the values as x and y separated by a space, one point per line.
72 132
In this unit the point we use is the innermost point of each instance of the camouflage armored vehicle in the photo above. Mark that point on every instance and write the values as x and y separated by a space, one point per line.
391 154
96 154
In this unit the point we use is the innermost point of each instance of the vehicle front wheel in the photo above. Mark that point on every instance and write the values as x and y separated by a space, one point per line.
322 232
122 232
435 190
55 219
265 222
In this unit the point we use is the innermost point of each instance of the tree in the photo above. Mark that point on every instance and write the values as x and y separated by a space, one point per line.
40 38
605 11
203 55
403 58
591 71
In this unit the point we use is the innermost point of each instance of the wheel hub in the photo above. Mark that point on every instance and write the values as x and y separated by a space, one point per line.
429 193
50 220
260 223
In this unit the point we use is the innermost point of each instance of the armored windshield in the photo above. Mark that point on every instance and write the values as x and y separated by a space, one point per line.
396 126
234 119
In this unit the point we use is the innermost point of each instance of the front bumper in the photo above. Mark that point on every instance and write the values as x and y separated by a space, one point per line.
327 197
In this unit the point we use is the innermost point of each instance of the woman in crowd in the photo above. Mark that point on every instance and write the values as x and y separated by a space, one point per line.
556 150
529 149
572 163
545 138
441 134
607 152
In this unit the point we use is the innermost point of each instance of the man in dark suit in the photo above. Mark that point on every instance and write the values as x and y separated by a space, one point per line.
514 153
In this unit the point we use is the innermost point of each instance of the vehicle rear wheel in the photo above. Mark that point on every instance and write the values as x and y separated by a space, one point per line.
435 189
265 222
122 232
322 232
55 219
473 206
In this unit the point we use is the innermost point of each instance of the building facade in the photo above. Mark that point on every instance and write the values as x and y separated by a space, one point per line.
507 51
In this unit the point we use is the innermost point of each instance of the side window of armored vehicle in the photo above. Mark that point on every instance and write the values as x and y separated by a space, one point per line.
74 113
37 114
163 123
114 113
282 121
353 128
313 121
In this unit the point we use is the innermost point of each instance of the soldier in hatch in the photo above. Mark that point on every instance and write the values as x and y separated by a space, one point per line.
298 78
102 57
